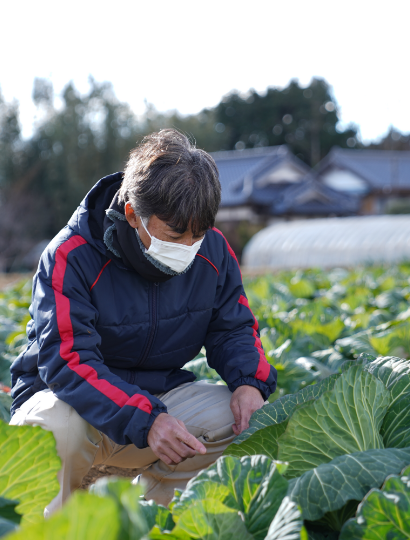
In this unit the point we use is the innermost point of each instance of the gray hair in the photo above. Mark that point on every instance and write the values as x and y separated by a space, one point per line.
168 177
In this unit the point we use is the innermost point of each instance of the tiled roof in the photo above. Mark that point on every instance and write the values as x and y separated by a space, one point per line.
239 169
311 197
379 168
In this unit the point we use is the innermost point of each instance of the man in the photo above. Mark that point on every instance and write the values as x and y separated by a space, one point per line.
124 296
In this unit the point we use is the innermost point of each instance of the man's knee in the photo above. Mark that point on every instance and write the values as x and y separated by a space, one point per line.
204 408
44 409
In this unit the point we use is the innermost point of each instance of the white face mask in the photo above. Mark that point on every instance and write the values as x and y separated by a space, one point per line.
176 256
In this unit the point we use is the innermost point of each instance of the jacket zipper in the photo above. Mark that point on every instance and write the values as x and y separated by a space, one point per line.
153 320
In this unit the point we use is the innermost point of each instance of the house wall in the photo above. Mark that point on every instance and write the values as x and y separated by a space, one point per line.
369 205
343 180
237 214
286 172
378 203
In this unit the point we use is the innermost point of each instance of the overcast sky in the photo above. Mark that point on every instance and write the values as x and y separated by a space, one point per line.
186 55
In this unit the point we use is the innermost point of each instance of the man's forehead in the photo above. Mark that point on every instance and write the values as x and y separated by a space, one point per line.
179 230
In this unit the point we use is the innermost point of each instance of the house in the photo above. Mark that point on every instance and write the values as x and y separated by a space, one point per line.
262 184
265 185
380 179
310 198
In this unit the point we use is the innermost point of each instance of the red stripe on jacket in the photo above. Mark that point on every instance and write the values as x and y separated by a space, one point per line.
263 371
65 329
231 251
207 260
99 275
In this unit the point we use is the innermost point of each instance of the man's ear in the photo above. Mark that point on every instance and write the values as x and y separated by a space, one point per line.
132 218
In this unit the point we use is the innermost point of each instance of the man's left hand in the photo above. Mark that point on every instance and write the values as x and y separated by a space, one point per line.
244 402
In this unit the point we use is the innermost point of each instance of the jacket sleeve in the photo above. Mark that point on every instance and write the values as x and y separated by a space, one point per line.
69 359
233 344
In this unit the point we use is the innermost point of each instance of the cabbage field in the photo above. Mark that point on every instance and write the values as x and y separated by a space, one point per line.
327 458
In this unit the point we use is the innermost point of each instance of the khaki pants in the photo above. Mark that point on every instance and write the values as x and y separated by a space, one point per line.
203 407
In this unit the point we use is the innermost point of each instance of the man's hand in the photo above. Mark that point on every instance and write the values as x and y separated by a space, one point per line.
244 402
170 441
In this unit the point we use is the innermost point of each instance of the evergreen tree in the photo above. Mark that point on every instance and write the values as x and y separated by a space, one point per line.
87 139
306 119
10 142
44 178
394 140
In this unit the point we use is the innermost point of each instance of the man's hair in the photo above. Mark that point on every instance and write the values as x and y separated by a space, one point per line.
167 176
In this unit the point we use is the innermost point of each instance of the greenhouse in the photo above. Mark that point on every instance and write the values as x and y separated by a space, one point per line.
330 242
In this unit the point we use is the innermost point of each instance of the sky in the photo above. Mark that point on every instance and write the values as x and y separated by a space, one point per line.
187 55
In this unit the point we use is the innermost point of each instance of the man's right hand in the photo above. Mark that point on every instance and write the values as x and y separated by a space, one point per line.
171 442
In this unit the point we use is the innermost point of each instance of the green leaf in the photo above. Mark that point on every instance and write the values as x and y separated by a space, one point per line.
9 518
322 535
201 487
344 420
84 517
288 523
135 520
356 344
302 288
346 478
297 373
202 371
395 374
381 342
6 526
264 441
176 534
28 469
157 515
330 358
382 514
332 329
137 516
7 510
333 521
281 409
209 519
139 519
5 404
252 486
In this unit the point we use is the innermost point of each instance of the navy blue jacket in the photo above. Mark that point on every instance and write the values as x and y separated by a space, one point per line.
104 339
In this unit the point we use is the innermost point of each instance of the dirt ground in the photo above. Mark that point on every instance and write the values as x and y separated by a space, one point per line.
100 471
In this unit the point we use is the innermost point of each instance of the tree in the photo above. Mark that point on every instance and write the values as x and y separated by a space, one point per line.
394 140
306 119
200 128
87 139
17 212
10 142
43 179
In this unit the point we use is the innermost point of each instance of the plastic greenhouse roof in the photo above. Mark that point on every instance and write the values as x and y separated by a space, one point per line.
330 242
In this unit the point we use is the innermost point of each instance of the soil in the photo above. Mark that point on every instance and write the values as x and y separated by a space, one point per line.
99 471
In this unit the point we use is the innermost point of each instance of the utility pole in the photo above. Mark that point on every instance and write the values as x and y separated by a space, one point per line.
314 134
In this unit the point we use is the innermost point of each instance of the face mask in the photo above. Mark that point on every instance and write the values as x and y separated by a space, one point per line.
176 256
